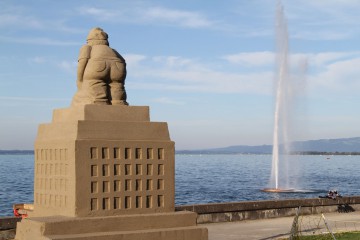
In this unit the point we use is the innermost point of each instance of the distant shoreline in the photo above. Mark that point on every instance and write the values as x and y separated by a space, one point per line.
16 152
192 152
339 146
189 152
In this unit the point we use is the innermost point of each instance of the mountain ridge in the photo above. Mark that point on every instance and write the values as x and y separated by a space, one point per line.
338 145
323 146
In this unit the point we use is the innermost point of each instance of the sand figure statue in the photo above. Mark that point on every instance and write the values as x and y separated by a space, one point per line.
101 72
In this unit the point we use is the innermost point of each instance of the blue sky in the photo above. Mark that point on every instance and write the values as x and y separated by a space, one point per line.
205 67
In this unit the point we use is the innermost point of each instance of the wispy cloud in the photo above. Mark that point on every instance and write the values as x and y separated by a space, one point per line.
323 19
32 99
37 60
194 76
251 58
341 76
257 59
342 10
173 61
103 14
134 59
145 14
320 35
323 58
65 65
19 17
39 41
165 100
20 21
182 18
328 71
68 66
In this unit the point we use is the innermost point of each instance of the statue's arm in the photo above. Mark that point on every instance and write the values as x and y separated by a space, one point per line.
82 62
118 55
80 71
123 62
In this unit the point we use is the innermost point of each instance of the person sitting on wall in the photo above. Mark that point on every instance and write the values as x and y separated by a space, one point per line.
333 194
330 194
337 194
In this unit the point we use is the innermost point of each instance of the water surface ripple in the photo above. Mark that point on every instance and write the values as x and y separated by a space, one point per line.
212 178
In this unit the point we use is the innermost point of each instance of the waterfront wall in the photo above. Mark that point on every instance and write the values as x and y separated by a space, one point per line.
7 227
252 210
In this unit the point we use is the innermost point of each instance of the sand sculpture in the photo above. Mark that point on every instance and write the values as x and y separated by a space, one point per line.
103 170
101 72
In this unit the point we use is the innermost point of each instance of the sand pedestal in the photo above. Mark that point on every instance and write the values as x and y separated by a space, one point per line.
105 172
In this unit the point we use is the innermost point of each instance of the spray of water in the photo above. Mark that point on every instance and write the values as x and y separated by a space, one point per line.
284 106
280 128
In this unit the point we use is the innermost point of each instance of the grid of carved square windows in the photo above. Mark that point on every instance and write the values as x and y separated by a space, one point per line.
51 177
116 174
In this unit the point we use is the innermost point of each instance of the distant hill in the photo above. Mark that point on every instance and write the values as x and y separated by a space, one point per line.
323 146
263 149
341 145
329 145
16 152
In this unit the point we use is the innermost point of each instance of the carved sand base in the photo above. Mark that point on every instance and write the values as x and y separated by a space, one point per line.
160 226
106 172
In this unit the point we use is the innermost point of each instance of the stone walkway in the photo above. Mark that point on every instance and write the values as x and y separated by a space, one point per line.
267 229
278 228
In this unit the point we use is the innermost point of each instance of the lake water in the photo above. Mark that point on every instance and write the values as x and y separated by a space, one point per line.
212 178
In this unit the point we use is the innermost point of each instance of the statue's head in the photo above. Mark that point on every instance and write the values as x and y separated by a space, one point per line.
97 36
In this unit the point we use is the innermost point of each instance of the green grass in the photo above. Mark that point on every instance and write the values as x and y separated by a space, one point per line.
348 236
338 236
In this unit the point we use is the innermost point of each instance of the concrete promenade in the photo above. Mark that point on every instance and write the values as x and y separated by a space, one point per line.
264 229
278 228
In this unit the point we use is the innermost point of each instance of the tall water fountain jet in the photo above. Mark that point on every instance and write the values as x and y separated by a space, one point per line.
283 94
282 44
286 89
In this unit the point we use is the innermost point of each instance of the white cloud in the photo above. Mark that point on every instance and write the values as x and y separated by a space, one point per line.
68 66
258 59
37 60
345 68
143 14
31 99
329 73
323 58
323 19
165 100
320 35
173 61
198 77
178 17
18 17
19 21
102 14
332 6
341 76
39 41
93 11
251 58
134 59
